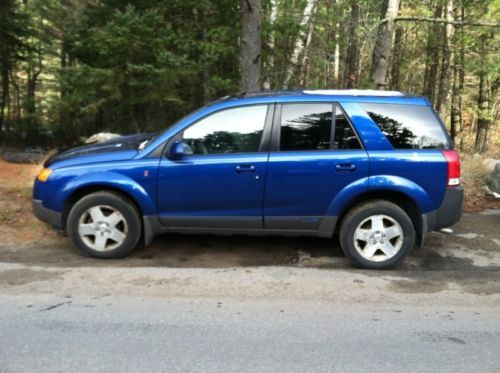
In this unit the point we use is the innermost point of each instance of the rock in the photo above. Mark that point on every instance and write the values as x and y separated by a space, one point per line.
476 156
490 164
469 236
101 137
493 179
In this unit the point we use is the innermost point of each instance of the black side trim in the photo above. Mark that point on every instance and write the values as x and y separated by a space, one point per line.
46 215
229 222
153 226
292 222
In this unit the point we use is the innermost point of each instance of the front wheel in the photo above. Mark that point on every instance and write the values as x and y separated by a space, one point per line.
104 225
377 234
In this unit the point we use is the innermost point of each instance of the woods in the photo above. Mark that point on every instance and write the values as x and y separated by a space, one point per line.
71 68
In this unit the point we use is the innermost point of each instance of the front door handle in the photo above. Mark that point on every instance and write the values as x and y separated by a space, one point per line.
245 168
345 167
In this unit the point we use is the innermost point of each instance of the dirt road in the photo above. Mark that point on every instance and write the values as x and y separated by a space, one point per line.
461 268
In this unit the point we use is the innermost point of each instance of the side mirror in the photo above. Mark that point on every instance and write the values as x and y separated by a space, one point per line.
179 149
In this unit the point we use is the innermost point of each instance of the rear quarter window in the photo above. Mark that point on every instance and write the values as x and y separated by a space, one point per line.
408 126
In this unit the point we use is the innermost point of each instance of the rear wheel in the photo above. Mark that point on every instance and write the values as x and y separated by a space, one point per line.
104 225
377 234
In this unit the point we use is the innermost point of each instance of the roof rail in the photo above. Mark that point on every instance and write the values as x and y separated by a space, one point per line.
352 92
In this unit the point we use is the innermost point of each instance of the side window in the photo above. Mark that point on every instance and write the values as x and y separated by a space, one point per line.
309 127
305 126
408 126
236 130
344 138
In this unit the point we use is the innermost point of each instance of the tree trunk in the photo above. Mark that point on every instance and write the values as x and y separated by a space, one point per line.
483 120
251 45
444 81
270 46
299 42
432 55
304 66
5 95
383 46
461 74
30 106
351 73
458 81
396 59
336 57
455 107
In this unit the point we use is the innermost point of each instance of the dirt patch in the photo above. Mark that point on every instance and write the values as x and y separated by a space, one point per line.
17 223
16 277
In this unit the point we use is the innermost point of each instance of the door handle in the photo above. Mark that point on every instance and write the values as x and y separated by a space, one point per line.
245 168
345 167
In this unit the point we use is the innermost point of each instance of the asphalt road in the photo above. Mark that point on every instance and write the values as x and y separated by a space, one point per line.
202 303
134 334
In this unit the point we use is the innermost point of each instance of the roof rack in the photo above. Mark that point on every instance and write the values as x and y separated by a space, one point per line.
269 93
352 92
326 92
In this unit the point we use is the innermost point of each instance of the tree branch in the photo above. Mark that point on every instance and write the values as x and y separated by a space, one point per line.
444 21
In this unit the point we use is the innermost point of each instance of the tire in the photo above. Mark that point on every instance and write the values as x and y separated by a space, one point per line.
377 234
104 225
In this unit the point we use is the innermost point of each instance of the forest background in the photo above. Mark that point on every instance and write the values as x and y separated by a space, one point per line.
72 68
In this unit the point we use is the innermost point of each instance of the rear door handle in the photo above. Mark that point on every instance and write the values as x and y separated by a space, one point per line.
245 168
345 167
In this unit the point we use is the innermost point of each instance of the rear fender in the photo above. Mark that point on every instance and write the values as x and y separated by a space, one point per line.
384 184
401 185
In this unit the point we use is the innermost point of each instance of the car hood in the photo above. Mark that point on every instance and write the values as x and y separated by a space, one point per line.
117 149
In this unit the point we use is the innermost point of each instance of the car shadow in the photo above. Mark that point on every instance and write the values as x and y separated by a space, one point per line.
190 251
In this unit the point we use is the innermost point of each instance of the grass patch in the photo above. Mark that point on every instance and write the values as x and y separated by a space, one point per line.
21 191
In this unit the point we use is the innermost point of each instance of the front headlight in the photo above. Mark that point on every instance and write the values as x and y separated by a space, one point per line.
44 174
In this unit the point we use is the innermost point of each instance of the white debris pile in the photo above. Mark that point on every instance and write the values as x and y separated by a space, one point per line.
101 137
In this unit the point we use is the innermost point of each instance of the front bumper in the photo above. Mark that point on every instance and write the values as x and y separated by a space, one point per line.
46 215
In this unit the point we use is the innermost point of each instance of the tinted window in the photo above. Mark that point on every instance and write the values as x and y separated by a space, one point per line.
306 126
408 126
344 138
237 130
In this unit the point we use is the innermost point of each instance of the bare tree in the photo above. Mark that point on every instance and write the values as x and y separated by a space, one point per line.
351 72
383 46
397 59
270 46
483 134
304 66
300 41
251 45
458 79
444 80
432 56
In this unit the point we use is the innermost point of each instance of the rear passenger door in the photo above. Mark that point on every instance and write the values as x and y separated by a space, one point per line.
315 153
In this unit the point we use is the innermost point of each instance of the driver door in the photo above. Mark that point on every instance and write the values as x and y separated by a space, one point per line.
219 182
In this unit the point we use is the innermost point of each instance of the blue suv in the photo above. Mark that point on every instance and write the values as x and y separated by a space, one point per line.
375 167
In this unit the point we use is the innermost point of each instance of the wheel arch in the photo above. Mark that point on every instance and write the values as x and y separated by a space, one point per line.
127 188
401 199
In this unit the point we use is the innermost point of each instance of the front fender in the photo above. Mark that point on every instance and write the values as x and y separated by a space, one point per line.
112 180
